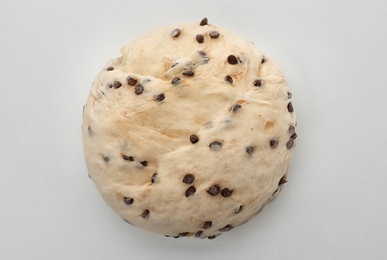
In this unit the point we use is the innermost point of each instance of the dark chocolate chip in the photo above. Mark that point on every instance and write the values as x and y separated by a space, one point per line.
145 214
238 210
263 60
229 79
273 143
128 200
175 81
128 158
213 190
214 34
89 131
207 224
226 192
199 233
203 54
154 177
290 107
109 86
189 73
294 136
291 129
144 163
232 59
235 108
212 237
249 149
109 68
289 95
199 38
106 159
226 228
257 82
131 81
159 97
282 180
139 89
204 21
176 236
117 84
290 144
194 139
183 234
175 33
215 145
188 178
190 191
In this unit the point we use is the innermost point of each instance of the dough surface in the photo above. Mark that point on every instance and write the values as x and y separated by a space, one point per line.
190 132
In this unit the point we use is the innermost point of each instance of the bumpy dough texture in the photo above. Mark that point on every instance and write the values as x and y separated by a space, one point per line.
187 135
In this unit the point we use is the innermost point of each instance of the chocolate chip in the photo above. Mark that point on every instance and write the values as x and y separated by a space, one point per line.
167 235
293 136
145 214
139 89
290 107
128 158
176 236
226 228
212 237
144 163
291 129
109 68
213 190
106 159
289 95
175 81
159 97
194 139
232 59
199 38
203 54
190 191
238 210
204 21
290 144
128 200
184 234
249 150
229 79
207 224
257 82
175 33
154 177
282 180
199 233
273 143
214 34
131 81
215 145
89 131
189 73
263 60
117 84
188 178
226 192
235 108
109 86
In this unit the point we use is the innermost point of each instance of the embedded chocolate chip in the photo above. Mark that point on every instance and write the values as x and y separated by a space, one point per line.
232 59
159 97
214 34
190 191
139 89
175 81
226 228
293 136
235 108
273 143
228 78
203 54
204 21
226 192
117 84
249 150
290 144
290 107
188 178
213 190
154 177
238 210
215 145
291 129
128 158
189 73
212 237
145 214
176 236
282 180
128 200
199 233
184 234
109 68
175 33
207 224
109 86
131 81
289 95
199 38
89 131
106 159
194 139
263 60
257 82
144 163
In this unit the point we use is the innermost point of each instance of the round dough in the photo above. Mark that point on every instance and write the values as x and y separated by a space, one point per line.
190 132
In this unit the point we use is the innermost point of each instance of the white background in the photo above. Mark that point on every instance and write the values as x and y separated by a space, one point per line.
333 54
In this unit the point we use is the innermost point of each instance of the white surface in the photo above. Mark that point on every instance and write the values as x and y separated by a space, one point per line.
334 56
